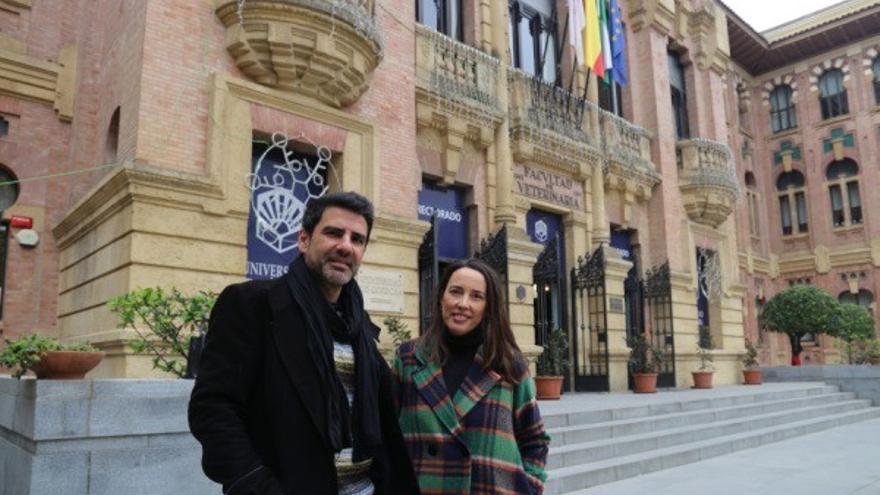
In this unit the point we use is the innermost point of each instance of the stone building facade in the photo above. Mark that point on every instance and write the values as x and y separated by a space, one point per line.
133 128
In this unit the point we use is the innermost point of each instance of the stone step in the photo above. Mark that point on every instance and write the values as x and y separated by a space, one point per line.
581 453
567 435
571 480
585 416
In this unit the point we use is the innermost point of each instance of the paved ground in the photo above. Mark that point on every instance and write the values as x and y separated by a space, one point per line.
839 461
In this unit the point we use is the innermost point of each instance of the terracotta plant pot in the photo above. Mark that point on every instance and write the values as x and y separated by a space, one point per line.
548 387
645 383
66 365
752 377
702 379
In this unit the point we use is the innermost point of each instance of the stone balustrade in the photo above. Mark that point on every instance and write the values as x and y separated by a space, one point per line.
626 143
455 74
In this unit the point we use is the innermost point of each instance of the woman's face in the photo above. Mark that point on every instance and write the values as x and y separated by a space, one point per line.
464 301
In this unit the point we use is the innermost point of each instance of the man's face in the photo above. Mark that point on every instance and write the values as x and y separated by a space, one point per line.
336 247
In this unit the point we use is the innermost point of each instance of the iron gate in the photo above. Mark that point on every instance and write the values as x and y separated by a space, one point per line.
429 275
658 317
548 275
493 251
589 323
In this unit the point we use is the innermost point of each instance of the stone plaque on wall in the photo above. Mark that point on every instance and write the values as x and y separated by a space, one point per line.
382 289
616 304
538 183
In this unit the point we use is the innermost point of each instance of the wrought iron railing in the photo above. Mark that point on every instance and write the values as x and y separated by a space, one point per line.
455 71
706 163
626 142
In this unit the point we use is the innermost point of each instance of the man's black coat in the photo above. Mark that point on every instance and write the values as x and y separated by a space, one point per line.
257 410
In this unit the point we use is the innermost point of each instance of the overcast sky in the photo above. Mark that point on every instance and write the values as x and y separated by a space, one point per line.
762 15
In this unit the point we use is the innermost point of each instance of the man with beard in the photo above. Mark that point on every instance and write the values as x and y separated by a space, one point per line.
292 395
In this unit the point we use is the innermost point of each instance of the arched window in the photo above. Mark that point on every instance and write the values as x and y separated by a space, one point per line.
832 94
864 298
876 68
782 114
441 15
843 186
752 200
792 202
112 145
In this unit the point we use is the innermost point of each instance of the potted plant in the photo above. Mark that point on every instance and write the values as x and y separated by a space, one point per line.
552 365
645 360
48 358
703 376
751 373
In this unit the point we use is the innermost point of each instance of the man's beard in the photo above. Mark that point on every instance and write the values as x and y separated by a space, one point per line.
332 276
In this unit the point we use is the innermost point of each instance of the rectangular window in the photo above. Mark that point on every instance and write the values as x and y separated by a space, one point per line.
801 203
679 96
785 213
837 216
855 202
877 89
533 42
610 100
443 16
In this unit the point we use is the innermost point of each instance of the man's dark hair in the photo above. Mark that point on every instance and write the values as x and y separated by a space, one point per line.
351 201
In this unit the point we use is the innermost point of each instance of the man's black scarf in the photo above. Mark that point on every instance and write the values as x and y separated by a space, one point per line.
356 426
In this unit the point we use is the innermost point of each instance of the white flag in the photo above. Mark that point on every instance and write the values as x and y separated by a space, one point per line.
576 25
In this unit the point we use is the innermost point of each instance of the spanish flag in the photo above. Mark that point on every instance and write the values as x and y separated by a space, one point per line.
593 38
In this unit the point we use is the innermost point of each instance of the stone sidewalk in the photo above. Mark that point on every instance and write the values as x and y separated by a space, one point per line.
839 461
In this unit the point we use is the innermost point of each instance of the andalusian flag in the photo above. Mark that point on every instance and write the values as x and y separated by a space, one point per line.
592 38
608 62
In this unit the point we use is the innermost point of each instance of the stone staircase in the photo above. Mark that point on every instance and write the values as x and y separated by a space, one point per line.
629 435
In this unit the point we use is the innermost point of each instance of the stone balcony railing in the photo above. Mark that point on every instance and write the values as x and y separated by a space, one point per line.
626 145
320 48
549 123
707 180
456 76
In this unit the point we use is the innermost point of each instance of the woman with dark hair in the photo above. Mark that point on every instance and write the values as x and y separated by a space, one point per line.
467 402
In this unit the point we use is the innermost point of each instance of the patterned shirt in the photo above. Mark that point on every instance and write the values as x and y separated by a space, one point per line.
353 477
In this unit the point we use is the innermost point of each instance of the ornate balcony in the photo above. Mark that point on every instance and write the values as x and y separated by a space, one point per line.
454 80
707 180
323 49
627 148
550 125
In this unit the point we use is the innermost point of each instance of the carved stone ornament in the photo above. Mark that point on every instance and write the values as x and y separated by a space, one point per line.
707 180
325 49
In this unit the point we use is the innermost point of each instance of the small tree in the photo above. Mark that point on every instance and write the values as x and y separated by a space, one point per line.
855 329
165 323
799 310
644 356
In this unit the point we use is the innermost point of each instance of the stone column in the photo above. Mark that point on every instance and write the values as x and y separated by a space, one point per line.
504 207
616 269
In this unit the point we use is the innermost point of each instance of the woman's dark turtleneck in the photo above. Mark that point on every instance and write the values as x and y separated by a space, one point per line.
462 349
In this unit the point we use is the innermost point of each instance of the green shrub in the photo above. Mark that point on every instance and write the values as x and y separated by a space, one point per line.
750 360
164 322
644 357
554 360
24 352
397 329
854 322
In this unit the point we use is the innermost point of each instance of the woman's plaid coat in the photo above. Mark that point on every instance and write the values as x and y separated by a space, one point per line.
488 439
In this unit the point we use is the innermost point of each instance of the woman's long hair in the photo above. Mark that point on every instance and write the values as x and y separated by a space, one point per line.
500 352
